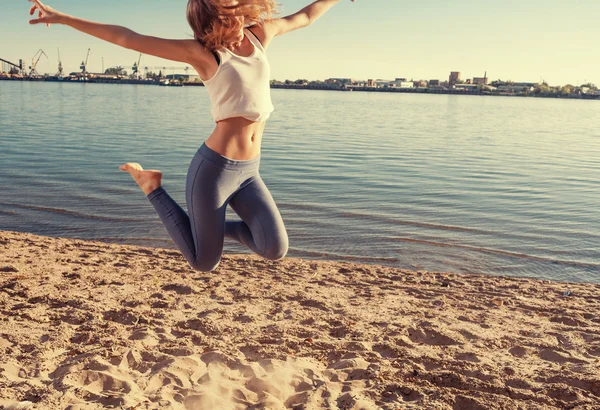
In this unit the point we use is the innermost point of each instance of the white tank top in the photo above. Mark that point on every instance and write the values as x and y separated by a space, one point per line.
241 85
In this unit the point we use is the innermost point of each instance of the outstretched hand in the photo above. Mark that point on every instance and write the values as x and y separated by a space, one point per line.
46 14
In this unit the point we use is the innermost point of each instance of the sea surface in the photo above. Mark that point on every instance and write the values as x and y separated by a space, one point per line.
474 184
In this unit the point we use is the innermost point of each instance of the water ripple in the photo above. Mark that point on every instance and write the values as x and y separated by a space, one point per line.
455 183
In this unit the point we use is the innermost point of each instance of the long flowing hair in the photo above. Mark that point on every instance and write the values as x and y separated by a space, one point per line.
216 26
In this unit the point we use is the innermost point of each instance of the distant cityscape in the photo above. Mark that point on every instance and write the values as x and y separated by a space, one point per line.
159 75
455 84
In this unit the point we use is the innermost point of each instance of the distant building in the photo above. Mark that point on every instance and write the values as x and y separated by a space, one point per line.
420 83
526 84
383 83
434 83
340 81
597 92
467 87
514 89
183 77
401 83
454 78
371 83
481 80
105 76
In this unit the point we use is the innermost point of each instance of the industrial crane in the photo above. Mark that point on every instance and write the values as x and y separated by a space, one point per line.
83 66
136 68
60 67
36 57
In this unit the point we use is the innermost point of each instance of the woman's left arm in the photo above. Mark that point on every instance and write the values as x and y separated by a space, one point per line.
302 18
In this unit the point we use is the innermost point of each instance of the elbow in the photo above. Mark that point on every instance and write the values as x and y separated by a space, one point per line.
126 39
307 20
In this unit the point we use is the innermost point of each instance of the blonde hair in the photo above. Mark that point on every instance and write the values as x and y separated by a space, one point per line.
216 26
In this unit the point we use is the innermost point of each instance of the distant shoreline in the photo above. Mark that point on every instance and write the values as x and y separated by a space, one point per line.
318 87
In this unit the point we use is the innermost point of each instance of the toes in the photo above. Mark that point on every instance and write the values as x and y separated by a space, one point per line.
131 166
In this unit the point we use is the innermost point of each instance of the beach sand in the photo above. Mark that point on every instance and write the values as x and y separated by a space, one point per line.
89 325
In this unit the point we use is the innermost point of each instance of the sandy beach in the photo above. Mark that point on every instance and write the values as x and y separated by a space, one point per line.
89 325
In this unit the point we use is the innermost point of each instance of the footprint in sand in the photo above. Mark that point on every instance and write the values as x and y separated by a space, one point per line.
575 320
468 357
179 289
203 325
429 336
518 351
123 316
146 336
386 351
464 402
102 383
554 355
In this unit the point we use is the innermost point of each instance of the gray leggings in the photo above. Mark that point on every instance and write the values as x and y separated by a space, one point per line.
213 182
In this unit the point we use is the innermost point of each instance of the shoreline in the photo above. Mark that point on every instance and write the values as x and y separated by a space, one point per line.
323 88
87 324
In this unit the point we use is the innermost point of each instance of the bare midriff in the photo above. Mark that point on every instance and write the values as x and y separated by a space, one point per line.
237 138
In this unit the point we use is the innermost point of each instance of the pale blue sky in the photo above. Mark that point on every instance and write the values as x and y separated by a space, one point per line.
522 40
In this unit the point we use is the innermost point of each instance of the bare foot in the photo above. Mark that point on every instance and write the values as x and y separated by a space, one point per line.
148 180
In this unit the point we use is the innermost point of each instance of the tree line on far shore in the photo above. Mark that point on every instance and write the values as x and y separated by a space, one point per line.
543 89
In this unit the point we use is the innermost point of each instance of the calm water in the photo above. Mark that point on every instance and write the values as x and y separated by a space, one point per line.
443 183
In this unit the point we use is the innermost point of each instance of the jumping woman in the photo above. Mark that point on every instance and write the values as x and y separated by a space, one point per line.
229 53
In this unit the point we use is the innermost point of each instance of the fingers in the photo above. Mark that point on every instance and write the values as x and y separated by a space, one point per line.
37 21
39 7
38 3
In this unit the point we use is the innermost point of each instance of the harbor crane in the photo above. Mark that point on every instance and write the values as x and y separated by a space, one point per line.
83 66
60 67
135 70
34 61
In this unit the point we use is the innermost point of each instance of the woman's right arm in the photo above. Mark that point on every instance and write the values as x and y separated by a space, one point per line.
187 51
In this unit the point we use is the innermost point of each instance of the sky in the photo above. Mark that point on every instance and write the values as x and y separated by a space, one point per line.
518 40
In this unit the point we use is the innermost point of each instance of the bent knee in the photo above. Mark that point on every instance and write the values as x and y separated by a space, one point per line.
205 265
276 252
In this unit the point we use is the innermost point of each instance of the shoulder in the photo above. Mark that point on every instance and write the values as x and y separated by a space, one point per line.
201 58
264 32
197 51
